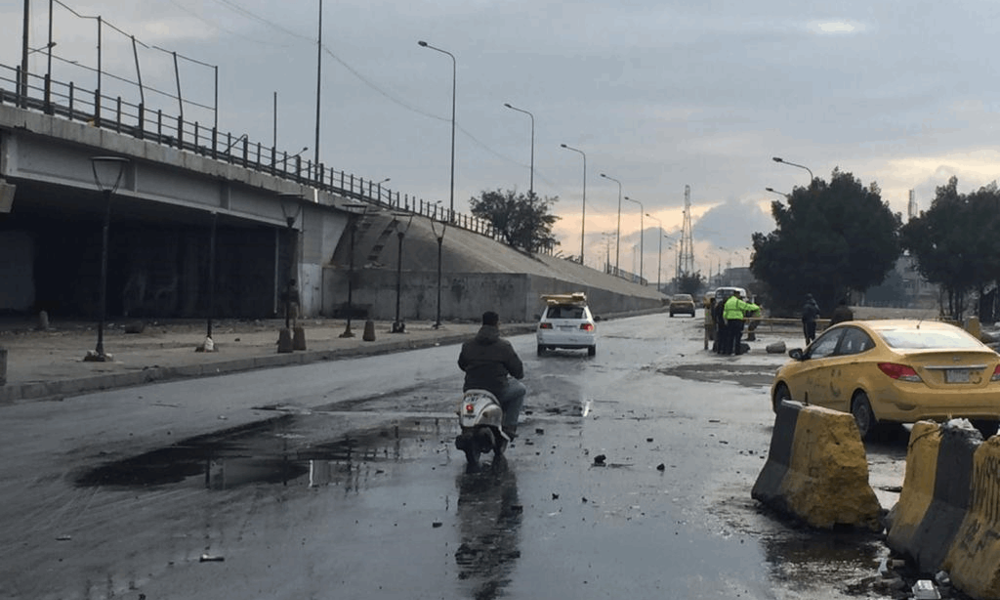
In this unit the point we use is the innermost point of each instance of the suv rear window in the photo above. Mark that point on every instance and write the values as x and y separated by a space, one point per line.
565 312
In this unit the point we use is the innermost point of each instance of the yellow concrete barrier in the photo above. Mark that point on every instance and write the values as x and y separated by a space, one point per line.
948 514
974 559
816 469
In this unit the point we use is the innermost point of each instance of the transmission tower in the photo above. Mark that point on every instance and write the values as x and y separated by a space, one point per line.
685 258
911 207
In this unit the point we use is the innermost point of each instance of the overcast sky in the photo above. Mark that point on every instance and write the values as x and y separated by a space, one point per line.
658 94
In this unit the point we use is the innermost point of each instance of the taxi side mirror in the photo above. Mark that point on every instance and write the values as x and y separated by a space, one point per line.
796 354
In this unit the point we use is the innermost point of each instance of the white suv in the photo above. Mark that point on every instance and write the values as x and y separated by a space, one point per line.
567 323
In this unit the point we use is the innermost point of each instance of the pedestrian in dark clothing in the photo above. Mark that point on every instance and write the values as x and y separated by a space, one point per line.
721 331
487 360
810 312
841 313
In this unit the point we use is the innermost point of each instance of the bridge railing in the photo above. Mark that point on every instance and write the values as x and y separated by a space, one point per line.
67 101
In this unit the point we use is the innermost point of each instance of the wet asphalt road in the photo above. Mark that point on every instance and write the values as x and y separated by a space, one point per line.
345 483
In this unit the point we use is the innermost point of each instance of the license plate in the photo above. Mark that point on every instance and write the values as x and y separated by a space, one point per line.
566 328
956 376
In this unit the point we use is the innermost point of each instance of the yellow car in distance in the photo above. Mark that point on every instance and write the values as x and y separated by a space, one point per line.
895 371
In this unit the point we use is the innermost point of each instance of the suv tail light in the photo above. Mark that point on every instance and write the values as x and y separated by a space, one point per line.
587 326
900 372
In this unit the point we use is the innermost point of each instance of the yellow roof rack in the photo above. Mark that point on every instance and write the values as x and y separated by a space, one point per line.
574 298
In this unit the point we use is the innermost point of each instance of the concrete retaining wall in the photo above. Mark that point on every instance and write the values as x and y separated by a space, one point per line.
948 514
816 469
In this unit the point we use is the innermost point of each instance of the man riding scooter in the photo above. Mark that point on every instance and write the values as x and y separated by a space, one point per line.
487 360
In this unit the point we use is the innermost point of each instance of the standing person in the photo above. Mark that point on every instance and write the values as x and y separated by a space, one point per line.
721 331
710 324
810 312
841 313
734 311
487 360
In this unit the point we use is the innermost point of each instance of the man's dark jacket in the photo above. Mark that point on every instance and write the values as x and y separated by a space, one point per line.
487 359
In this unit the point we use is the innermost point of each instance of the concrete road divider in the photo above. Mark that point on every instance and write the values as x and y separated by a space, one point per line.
948 514
816 470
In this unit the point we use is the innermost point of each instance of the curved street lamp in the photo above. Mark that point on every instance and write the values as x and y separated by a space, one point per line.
618 236
642 236
531 181
583 216
774 191
108 172
454 79
659 261
778 159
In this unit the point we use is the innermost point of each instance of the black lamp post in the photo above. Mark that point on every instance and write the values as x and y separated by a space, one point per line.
398 326
440 241
352 208
108 172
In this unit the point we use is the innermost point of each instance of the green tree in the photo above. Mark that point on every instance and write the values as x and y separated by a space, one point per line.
689 283
955 243
830 239
523 220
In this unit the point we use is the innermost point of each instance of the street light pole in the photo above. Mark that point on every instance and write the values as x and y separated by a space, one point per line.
108 172
642 236
454 79
531 184
583 215
350 278
618 237
778 159
659 261
774 191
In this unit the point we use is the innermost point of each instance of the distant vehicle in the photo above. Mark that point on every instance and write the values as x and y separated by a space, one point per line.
723 293
895 371
681 303
566 322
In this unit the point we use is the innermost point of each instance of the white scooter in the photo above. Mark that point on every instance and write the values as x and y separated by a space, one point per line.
481 419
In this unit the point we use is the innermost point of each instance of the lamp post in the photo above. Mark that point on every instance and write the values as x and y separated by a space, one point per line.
618 236
778 159
659 261
440 241
454 79
398 326
583 214
774 191
531 181
351 208
642 236
108 172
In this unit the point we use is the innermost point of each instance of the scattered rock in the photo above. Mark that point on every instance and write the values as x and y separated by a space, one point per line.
776 348
599 460
436 524
539 431
555 496
661 467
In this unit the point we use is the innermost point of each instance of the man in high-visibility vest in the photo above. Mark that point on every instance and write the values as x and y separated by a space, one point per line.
734 311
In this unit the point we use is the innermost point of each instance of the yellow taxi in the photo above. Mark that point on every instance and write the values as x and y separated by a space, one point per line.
895 371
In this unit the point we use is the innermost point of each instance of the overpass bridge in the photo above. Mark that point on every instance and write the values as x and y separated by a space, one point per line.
205 223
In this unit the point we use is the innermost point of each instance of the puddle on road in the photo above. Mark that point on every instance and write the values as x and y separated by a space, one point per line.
276 451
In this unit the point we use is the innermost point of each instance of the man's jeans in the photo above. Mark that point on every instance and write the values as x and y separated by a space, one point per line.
510 401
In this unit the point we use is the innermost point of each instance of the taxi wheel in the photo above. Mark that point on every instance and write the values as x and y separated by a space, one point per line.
781 393
864 417
591 350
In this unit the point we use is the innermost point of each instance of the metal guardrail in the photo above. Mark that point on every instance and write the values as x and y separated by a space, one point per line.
67 101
